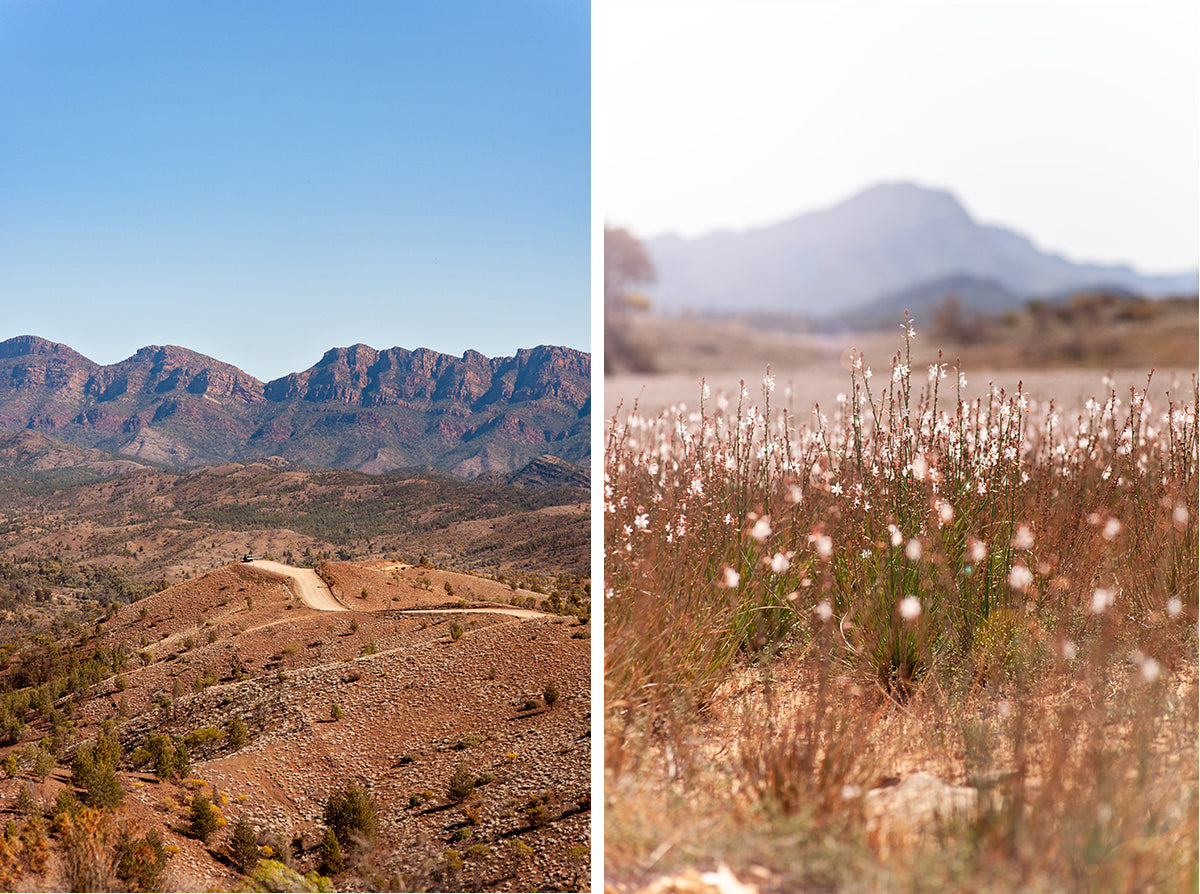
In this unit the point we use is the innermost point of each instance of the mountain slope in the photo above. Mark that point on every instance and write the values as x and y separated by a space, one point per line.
884 240
356 408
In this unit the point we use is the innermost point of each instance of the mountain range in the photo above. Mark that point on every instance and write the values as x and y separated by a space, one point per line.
357 408
888 241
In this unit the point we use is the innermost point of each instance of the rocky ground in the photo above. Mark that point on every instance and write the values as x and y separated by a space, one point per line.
419 694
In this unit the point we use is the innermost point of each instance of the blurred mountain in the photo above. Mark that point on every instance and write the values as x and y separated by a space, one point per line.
872 247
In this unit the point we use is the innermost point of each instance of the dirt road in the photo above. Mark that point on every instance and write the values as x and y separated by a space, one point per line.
315 594
309 587
515 612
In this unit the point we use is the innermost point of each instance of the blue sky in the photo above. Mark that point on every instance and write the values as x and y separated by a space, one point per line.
262 181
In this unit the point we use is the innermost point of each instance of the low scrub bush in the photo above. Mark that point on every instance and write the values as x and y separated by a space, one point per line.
351 814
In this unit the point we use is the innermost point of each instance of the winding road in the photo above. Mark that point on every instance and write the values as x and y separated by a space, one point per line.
312 591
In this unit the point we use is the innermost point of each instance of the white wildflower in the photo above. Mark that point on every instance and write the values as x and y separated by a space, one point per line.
945 512
1101 600
731 578
920 467
779 563
1023 539
761 529
642 522
913 550
976 550
1020 577
1174 606
1112 528
910 608
824 610
824 545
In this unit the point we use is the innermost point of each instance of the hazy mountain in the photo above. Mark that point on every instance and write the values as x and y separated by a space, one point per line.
972 292
357 408
885 240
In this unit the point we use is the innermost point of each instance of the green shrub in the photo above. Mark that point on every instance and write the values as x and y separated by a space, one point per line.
243 845
26 805
462 784
519 848
203 821
351 815
550 693
236 734
140 861
66 802
332 861
336 712
272 875
105 789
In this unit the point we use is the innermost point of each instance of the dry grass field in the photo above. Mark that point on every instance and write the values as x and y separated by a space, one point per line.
933 636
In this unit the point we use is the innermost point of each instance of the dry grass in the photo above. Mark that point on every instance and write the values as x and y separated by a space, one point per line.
1000 592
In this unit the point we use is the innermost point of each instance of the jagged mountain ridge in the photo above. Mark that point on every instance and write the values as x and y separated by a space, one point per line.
884 240
357 408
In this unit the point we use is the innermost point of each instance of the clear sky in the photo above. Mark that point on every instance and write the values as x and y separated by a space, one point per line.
261 181
1077 124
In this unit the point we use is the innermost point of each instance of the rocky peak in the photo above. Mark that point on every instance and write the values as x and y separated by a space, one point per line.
356 408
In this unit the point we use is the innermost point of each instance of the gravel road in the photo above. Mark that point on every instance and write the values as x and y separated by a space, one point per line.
311 589
515 612
315 594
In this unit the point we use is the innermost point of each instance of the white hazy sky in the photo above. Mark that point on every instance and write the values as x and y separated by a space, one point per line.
1077 124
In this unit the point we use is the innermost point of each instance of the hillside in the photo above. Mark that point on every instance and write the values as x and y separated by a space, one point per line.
885 240
230 687
357 408
65 501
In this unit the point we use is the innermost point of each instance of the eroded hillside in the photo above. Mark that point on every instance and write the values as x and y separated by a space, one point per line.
464 723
